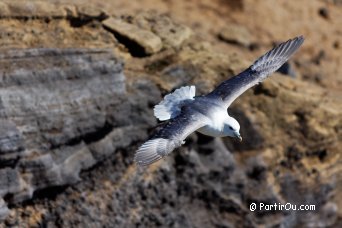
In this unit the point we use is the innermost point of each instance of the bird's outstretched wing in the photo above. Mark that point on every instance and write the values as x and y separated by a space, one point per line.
232 88
169 137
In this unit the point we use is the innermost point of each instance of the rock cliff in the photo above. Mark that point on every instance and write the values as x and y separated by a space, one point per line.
77 88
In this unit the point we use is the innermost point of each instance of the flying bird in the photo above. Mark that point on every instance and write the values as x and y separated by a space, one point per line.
208 114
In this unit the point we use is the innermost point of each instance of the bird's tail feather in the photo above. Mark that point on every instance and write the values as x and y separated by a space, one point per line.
152 151
170 106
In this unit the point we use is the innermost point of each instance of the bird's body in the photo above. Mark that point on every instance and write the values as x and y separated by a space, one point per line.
217 116
208 114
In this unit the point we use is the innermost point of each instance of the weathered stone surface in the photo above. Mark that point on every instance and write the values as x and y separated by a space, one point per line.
49 10
53 103
34 9
86 11
3 209
146 39
11 141
171 33
236 34
9 182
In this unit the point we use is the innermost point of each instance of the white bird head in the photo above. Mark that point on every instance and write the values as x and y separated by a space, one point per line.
232 128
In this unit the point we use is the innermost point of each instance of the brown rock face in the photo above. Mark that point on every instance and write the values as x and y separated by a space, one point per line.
145 39
235 34
77 90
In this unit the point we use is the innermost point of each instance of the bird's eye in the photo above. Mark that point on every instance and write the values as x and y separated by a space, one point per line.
231 128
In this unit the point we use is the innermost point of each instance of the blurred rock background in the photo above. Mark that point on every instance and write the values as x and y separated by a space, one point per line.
78 83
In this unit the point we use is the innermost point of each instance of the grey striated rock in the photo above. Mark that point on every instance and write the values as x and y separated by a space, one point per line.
9 182
11 141
3 209
54 103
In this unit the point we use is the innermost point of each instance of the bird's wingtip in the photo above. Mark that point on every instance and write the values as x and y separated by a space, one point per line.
301 38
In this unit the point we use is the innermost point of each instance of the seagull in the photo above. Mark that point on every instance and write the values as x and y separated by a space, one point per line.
186 113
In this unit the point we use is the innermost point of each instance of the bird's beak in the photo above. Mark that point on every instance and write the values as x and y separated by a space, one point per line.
237 135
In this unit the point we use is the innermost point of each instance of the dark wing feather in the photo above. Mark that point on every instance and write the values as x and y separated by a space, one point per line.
169 137
232 88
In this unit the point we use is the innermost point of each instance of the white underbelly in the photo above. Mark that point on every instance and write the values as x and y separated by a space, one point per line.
215 127
211 131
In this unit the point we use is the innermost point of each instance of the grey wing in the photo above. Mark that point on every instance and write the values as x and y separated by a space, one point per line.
169 137
232 88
